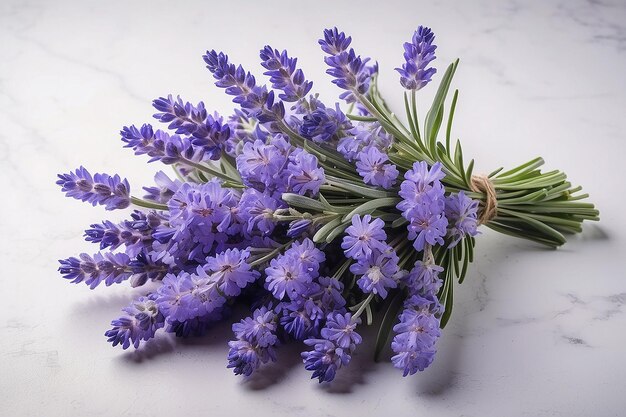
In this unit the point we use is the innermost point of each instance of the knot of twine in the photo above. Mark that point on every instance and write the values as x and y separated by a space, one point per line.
482 184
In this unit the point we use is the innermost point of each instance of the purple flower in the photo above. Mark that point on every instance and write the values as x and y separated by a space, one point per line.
183 117
135 234
112 268
364 236
256 339
362 137
377 272
245 358
255 100
161 146
202 216
418 54
212 136
340 329
418 331
426 226
257 211
305 174
259 329
331 289
283 74
286 275
302 316
372 166
230 271
110 191
307 255
325 124
349 71
325 359
424 278
164 190
423 175
185 296
334 42
298 227
299 320
262 165
141 321
462 214
423 204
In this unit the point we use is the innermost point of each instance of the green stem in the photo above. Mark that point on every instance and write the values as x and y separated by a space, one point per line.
147 204
362 307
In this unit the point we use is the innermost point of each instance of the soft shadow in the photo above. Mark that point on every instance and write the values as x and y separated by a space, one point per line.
274 372
594 232
160 345
360 366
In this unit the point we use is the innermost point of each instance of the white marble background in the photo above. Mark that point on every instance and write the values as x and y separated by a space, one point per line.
535 332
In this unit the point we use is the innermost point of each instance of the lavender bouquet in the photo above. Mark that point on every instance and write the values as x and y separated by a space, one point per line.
315 218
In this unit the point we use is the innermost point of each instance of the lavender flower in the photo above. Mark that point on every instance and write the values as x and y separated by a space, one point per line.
325 124
160 146
334 42
257 211
305 174
325 359
230 271
377 272
362 137
286 276
255 342
185 296
462 214
299 227
283 74
364 236
418 54
372 166
423 204
102 189
302 316
418 331
424 278
110 268
262 165
183 117
141 321
254 100
212 137
164 189
260 328
340 329
334 350
427 225
349 71
202 217
307 255
135 234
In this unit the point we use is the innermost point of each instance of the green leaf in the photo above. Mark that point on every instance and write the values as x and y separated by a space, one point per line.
326 229
371 205
336 232
399 222
448 301
301 201
450 118
435 114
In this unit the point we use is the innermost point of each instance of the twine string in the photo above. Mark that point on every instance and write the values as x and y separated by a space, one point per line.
482 184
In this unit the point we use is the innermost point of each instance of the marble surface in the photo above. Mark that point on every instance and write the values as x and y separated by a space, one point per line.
535 332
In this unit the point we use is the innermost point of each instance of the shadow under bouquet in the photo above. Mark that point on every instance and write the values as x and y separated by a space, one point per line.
318 219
